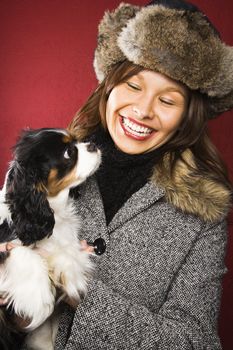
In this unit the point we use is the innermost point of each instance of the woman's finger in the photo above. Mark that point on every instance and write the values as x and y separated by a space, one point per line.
85 246
7 246
3 301
3 247
42 252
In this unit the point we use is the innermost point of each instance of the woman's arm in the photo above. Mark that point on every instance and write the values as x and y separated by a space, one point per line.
186 320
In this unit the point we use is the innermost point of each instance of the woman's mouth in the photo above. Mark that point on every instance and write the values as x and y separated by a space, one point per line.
135 130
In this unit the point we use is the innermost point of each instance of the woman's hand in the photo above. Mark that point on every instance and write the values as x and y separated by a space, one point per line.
88 248
7 246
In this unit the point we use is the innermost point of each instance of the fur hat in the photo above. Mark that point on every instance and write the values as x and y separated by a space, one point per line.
172 37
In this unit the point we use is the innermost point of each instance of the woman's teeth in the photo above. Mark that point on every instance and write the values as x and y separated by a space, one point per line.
136 129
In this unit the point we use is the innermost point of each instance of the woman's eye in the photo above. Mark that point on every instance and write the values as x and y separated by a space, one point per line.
167 102
133 86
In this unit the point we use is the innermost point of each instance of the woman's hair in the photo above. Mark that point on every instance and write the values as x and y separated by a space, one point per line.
192 133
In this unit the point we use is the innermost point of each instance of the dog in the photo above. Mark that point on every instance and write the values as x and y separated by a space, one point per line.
38 215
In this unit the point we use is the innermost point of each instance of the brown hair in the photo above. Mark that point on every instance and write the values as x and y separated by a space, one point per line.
192 133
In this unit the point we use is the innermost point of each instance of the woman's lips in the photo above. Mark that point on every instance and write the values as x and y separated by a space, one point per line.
135 130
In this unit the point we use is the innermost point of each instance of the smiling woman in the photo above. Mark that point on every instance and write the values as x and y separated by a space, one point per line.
144 112
131 97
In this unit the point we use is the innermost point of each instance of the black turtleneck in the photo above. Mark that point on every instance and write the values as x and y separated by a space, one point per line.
120 174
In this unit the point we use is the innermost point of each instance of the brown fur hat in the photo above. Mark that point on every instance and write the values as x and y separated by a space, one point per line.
172 37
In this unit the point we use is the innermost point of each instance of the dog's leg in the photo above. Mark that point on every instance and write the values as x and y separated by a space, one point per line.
24 282
44 336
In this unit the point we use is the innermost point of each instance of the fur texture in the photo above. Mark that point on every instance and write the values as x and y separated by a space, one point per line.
193 194
36 210
174 40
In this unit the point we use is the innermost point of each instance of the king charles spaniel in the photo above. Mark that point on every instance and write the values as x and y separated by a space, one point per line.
37 213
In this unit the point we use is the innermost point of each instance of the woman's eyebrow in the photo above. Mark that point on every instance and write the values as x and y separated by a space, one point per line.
171 88
175 89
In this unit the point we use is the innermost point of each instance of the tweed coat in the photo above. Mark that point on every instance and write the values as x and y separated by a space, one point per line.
158 285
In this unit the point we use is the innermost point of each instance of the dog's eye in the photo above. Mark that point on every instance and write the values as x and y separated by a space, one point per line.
70 152
67 154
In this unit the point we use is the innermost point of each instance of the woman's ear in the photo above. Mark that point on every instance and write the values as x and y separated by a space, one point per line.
32 217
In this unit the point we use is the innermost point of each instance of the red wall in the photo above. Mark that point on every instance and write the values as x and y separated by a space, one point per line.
46 74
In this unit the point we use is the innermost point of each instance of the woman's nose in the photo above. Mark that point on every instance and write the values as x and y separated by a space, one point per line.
144 108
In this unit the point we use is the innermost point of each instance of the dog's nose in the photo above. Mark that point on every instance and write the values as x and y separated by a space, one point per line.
91 147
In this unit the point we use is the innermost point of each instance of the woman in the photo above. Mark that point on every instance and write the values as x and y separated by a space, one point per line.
160 198
161 195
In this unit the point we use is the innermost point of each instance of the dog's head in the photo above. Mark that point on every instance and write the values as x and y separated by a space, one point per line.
46 162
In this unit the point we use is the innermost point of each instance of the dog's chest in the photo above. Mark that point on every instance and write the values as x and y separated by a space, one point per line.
67 224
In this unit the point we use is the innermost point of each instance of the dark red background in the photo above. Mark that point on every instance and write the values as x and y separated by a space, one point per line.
46 74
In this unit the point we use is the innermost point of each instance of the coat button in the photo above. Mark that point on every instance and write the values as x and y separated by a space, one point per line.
99 246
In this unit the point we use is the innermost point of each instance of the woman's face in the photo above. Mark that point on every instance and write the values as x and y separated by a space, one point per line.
144 112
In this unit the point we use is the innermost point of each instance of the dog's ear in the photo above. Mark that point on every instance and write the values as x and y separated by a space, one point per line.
32 217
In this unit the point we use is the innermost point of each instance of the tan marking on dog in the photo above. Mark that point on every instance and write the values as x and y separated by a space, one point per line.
56 185
66 138
63 279
69 138
40 187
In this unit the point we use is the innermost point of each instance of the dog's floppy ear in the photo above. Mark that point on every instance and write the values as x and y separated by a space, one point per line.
32 217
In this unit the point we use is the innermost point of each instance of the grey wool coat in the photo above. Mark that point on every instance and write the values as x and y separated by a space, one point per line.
158 285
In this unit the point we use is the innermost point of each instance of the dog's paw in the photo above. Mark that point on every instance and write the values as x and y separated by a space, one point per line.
71 272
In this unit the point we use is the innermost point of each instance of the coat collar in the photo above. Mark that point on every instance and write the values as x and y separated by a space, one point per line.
90 201
139 201
196 195
193 194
